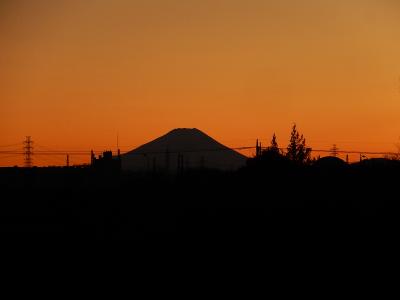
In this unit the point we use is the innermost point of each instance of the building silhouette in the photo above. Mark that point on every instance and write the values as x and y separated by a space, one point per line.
106 162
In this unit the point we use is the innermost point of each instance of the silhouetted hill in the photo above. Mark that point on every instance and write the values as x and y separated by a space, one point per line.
190 148
330 162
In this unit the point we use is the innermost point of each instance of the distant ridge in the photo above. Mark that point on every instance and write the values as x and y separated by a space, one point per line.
196 149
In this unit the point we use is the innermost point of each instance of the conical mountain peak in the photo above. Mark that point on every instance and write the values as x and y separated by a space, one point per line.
197 149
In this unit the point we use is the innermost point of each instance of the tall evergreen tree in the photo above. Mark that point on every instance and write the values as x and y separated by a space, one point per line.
297 150
274 145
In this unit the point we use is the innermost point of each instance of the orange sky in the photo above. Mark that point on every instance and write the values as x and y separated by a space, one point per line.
74 73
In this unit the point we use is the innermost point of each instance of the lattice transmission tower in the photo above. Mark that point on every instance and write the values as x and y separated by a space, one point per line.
334 150
28 152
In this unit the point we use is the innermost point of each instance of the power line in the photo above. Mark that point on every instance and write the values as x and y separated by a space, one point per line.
10 145
44 153
8 156
50 160
334 150
78 152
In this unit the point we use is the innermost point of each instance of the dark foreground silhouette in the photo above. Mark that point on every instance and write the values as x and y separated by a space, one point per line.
268 197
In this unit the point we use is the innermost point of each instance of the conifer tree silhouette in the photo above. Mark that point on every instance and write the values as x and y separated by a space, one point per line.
272 155
274 145
297 150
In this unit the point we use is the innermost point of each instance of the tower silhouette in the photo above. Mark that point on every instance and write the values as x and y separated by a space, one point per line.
334 150
28 152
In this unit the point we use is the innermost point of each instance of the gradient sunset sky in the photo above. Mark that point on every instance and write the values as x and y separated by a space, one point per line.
73 73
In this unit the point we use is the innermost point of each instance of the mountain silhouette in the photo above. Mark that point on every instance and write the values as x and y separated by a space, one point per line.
182 148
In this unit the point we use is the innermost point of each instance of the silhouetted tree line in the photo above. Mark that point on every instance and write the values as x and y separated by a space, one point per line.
296 154
276 193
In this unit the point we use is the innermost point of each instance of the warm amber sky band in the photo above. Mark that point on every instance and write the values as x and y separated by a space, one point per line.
73 73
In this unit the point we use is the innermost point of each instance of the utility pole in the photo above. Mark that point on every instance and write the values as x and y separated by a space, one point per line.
67 160
28 152
154 165
180 164
167 160
258 148
92 158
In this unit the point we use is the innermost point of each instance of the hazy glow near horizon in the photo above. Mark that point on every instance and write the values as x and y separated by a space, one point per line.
74 73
